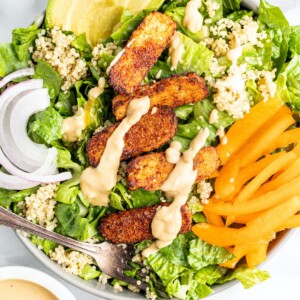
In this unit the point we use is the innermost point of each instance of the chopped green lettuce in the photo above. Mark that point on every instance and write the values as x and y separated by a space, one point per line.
272 19
129 23
65 102
202 254
82 46
248 277
67 191
45 126
142 198
89 272
120 198
23 39
74 223
195 57
9 61
231 5
44 244
294 42
7 197
288 83
52 80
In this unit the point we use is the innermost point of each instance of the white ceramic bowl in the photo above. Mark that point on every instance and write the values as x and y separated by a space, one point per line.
38 277
106 291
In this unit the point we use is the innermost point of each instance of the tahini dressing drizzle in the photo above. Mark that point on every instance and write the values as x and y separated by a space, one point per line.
96 183
176 50
72 127
193 20
167 221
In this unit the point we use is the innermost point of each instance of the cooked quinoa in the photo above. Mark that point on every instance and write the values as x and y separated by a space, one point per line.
40 207
55 47
72 262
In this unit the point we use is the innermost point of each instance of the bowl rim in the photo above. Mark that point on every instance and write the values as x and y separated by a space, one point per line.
106 291
38 277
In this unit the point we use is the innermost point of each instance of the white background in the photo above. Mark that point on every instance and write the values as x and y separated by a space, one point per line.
284 267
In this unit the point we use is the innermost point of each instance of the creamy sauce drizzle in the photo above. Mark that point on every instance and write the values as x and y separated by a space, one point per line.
118 56
222 136
176 50
193 20
167 221
16 289
173 152
214 116
72 127
96 183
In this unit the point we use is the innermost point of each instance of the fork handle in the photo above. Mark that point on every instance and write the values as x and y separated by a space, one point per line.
14 221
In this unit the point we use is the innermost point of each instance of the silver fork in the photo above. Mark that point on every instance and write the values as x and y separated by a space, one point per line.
111 259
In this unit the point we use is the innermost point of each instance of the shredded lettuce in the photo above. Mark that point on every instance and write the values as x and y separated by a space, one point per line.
142 198
44 244
67 191
65 102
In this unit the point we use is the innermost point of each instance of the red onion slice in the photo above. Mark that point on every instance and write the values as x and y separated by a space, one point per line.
11 95
9 167
19 114
11 182
15 75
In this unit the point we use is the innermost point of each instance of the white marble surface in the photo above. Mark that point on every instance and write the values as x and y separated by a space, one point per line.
284 266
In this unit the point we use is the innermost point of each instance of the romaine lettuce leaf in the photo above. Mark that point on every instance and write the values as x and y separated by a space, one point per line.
65 161
67 191
294 42
231 5
89 272
82 46
129 23
210 274
52 80
288 83
45 126
272 19
163 68
177 14
44 244
120 198
166 270
9 61
142 198
178 251
195 57
65 102
23 39
73 223
7 197
248 277
202 254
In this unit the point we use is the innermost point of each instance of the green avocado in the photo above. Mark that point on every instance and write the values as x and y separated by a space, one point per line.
96 18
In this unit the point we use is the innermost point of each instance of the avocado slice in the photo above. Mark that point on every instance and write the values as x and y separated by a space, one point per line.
96 18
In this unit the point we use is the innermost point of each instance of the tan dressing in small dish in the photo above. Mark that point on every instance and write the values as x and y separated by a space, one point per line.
17 289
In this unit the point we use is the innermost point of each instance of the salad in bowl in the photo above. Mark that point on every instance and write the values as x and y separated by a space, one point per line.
171 126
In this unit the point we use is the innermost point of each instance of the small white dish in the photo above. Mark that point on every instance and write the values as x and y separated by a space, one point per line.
37 277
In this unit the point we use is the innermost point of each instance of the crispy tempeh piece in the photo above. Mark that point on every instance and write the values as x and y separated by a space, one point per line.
174 91
134 225
150 171
150 133
143 49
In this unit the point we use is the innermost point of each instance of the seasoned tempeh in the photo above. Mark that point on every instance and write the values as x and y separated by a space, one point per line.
150 133
143 49
134 225
150 171
174 91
